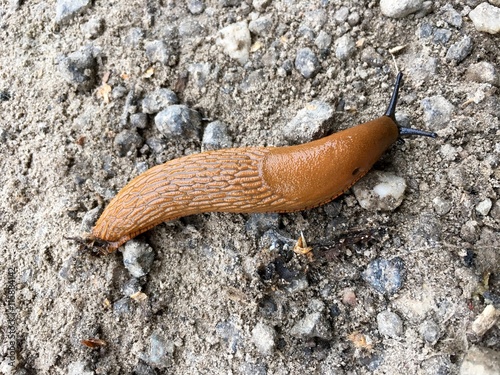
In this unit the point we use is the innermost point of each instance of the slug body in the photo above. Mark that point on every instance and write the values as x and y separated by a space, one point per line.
245 180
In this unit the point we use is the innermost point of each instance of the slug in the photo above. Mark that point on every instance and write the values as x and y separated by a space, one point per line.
250 179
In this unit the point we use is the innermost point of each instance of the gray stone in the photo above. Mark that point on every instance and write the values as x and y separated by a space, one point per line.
67 9
353 19
190 28
372 57
389 324
158 100
441 36
261 26
340 15
429 331
483 72
230 334
400 8
156 145
178 120
160 352
310 122
486 17
138 258
79 68
196 6
127 141
481 361
122 306
385 276
307 63
89 219
139 120
159 51
484 207
344 47
460 50
261 5
264 338
199 73
470 231
425 30
312 325
131 287
135 37
441 206
438 111
436 365
451 16
79 368
323 40
215 136
92 28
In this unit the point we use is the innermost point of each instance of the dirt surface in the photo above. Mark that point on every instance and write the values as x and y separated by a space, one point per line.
217 279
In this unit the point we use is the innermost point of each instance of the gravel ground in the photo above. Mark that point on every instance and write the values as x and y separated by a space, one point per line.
94 93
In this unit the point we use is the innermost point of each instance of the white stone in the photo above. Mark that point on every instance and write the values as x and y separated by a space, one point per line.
486 18
484 207
235 41
264 338
380 191
400 8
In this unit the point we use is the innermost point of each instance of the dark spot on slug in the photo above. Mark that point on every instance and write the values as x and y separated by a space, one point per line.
355 172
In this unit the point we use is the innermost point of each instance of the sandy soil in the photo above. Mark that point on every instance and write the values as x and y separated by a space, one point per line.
207 291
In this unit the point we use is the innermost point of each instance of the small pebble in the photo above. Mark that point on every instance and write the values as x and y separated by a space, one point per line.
482 72
451 16
389 324
79 68
425 30
323 40
78 368
158 100
119 92
229 3
436 365
309 123
340 15
459 50
156 144
195 6
138 258
264 338
67 9
160 351
486 17
92 28
495 211
481 361
315 19
307 63
131 286
261 5
484 207
139 120
159 51
441 36
122 306
380 191
353 19
215 136
485 321
344 47
470 231
372 57
230 334
248 368
178 120
441 206
199 73
261 26
190 28
259 223
429 331
438 112
235 40
127 141
400 8
89 219
385 276
135 37
312 325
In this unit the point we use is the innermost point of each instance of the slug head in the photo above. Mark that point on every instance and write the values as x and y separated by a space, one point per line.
391 110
